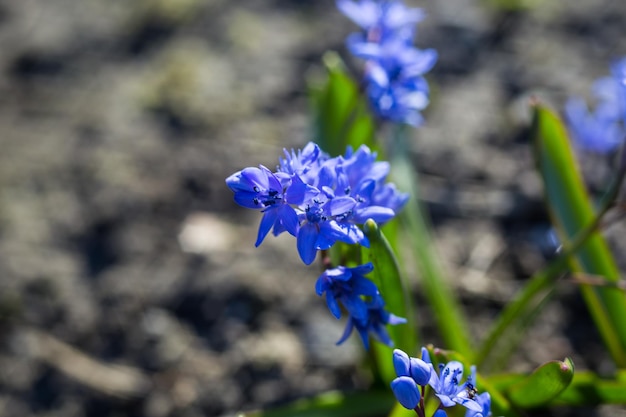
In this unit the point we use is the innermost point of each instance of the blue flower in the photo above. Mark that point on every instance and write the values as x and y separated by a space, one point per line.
394 68
258 188
318 199
603 130
598 132
347 285
381 20
411 373
448 388
375 322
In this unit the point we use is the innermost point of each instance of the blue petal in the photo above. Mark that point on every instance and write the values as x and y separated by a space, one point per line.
346 332
364 286
340 205
307 237
376 213
322 284
440 413
467 403
363 269
420 371
268 220
355 306
299 192
255 177
248 199
289 219
332 304
406 392
401 363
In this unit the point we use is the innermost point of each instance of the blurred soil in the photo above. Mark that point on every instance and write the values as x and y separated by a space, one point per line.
129 281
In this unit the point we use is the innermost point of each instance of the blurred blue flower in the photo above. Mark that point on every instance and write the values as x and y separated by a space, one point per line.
319 199
604 129
394 68
348 285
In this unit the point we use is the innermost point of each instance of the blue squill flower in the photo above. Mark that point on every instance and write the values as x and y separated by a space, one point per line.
348 286
604 129
382 19
484 400
448 388
258 188
394 68
411 374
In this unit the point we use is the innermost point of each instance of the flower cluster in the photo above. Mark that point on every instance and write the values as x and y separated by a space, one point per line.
318 199
394 68
322 200
603 130
414 374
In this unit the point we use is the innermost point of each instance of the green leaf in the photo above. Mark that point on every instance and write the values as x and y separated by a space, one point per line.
543 385
386 276
340 114
334 404
586 388
572 211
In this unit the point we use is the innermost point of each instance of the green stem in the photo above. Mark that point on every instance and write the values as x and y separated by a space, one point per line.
450 321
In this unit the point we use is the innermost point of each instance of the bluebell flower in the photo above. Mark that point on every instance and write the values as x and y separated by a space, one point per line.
602 130
484 400
348 286
318 199
375 322
448 388
394 68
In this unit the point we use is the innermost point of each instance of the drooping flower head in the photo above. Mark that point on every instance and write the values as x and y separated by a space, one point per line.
394 68
348 286
360 298
318 199
602 130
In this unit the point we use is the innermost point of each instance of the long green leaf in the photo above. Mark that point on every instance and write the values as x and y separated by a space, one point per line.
572 211
334 404
544 384
387 277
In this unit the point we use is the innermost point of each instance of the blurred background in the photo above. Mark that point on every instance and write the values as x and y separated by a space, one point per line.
129 281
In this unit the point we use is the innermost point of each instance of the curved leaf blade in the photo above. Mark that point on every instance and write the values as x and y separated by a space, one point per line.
543 385
571 211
